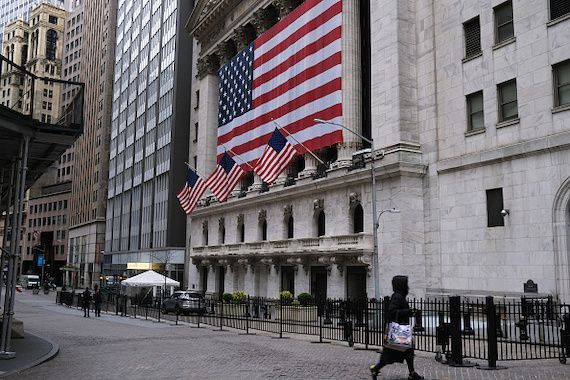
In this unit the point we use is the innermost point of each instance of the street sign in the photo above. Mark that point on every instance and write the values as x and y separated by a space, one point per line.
40 260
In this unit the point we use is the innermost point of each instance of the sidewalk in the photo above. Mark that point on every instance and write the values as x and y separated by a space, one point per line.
30 351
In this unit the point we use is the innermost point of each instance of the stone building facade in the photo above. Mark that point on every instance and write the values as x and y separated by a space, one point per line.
467 103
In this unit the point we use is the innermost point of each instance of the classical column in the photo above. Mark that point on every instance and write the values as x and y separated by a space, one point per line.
225 51
351 82
310 166
211 281
273 280
256 183
263 19
241 37
284 7
208 82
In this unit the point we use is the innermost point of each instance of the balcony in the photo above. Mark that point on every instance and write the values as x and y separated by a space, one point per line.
324 245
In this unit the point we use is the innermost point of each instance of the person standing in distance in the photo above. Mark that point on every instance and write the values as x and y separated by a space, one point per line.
86 298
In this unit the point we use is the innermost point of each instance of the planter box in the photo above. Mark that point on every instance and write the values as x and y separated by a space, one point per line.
297 313
234 310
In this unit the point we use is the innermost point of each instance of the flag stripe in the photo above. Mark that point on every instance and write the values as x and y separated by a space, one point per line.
312 76
311 31
191 192
291 74
297 18
276 108
245 148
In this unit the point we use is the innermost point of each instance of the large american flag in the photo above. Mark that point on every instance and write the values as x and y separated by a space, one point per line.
276 157
191 192
224 178
290 74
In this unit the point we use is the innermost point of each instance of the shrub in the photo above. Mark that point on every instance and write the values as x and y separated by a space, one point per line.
305 299
286 297
227 297
239 296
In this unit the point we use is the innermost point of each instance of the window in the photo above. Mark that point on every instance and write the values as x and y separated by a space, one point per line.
475 117
321 224
494 208
358 219
507 93
504 22
51 44
559 8
52 19
205 233
562 83
222 232
263 227
472 32
241 229
195 132
290 229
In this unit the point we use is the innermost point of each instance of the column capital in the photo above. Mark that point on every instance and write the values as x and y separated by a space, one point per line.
262 20
240 37
285 6
225 51
207 65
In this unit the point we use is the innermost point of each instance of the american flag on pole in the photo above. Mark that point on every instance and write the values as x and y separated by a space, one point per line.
277 155
191 192
224 178
290 74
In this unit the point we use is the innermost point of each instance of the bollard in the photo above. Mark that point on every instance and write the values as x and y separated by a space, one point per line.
418 321
327 320
455 331
498 325
467 328
492 351
523 326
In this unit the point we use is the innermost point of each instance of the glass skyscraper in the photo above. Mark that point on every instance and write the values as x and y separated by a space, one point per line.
149 138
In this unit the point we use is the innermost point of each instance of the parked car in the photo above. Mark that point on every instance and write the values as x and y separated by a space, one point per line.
30 281
184 302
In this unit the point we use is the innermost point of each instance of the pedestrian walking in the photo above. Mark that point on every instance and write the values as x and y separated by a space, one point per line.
399 312
97 300
86 300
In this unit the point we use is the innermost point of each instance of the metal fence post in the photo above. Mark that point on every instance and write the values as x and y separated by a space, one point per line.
456 359
492 351
280 316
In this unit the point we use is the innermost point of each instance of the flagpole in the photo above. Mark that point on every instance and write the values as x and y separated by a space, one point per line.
193 168
237 155
300 143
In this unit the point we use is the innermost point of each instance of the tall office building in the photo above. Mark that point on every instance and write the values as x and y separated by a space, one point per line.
149 137
89 191
11 10
37 46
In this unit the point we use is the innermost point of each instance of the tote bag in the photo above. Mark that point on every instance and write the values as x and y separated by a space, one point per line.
398 337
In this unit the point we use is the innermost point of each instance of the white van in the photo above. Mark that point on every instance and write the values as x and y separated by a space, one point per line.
28 281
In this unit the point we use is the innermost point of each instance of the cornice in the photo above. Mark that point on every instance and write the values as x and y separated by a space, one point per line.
389 167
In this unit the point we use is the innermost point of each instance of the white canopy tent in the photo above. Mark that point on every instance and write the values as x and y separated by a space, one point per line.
150 279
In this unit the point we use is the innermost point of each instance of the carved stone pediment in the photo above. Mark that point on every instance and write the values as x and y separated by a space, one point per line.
287 210
262 215
240 219
354 198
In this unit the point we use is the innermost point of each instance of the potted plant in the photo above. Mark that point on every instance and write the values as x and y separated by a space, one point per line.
305 299
237 306
286 297
298 310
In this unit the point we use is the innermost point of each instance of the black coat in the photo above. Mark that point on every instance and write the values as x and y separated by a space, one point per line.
86 298
398 311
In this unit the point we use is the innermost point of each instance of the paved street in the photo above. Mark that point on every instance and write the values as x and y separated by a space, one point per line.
123 348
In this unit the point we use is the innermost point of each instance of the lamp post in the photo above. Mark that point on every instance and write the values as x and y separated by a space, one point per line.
374 219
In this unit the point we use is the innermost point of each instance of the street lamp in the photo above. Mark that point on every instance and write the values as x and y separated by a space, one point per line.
375 220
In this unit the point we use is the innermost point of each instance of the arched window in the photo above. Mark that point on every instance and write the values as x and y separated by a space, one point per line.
241 229
264 230
358 219
222 232
205 233
321 224
290 229
51 44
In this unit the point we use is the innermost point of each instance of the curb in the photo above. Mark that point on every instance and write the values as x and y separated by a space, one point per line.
47 357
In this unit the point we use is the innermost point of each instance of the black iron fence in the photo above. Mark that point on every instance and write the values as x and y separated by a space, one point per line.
452 328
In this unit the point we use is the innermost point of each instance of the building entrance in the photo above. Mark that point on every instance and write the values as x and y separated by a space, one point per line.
356 282
288 279
221 281
319 283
